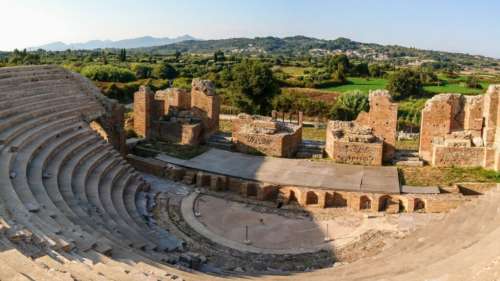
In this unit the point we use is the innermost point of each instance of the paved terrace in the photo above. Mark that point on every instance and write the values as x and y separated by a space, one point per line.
293 172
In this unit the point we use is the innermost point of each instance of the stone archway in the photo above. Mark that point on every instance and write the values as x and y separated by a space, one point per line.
365 203
335 200
251 190
292 197
384 202
312 198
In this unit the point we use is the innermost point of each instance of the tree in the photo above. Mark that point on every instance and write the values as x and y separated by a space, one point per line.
123 55
164 71
254 87
349 105
337 61
405 83
142 71
376 70
361 69
473 83
219 56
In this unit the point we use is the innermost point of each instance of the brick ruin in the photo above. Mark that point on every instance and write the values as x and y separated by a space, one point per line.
177 115
370 139
459 130
266 135
313 198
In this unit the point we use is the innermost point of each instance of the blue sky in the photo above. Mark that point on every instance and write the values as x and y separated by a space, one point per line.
460 25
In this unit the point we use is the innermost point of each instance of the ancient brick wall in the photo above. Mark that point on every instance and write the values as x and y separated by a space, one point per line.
205 104
357 153
349 143
188 134
437 118
460 130
383 119
173 97
444 156
252 134
144 111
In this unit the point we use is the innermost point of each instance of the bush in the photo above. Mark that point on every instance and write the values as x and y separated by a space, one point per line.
164 71
349 105
142 71
108 73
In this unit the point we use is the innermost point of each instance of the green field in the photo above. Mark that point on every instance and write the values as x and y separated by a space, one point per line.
366 85
455 88
362 84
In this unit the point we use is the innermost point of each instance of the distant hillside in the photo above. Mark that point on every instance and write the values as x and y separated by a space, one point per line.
301 45
146 41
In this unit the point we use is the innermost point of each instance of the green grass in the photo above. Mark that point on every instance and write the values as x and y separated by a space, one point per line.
455 88
293 70
433 176
311 133
364 85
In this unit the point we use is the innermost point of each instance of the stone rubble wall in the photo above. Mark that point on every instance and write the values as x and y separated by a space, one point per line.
186 109
383 119
252 134
370 139
458 130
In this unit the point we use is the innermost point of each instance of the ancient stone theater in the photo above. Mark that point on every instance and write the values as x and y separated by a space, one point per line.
75 206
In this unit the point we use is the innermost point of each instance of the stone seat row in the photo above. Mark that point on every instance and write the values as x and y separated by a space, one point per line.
67 196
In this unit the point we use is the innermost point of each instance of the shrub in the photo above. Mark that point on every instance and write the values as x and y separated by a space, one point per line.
142 71
349 105
108 73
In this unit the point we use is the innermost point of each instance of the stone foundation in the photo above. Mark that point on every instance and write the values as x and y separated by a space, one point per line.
370 139
267 136
311 198
177 115
458 130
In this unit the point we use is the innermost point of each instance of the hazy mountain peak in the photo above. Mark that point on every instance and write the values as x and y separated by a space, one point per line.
144 41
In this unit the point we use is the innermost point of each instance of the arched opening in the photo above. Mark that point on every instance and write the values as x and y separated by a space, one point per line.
402 206
419 205
311 198
270 193
339 200
292 198
329 200
251 190
365 203
384 202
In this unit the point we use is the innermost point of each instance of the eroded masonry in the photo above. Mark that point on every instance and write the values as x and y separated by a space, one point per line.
459 130
266 135
177 115
370 139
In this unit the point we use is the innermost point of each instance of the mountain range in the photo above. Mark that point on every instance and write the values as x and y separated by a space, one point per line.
146 41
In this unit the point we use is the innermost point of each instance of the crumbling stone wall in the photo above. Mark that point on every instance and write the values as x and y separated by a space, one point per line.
144 111
350 143
383 119
176 114
205 104
265 135
458 130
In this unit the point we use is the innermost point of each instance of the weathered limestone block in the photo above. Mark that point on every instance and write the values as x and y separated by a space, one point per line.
205 104
349 143
383 119
264 135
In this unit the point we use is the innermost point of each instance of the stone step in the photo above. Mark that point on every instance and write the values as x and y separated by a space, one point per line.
418 163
